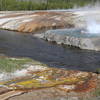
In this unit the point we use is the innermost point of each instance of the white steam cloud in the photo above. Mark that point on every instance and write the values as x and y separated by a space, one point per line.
93 27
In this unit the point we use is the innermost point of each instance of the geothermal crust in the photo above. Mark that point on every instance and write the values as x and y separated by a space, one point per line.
32 21
74 37
35 21
39 82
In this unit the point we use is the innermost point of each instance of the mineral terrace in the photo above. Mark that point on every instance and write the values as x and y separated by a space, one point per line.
35 21
40 82
31 21
74 37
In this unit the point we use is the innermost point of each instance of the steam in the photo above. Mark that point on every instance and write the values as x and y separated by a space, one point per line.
93 27
92 18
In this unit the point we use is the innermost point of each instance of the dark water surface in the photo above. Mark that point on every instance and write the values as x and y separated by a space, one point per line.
14 44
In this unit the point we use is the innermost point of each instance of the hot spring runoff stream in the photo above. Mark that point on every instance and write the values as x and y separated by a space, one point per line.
14 44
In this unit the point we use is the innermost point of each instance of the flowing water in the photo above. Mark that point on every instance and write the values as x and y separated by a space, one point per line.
14 44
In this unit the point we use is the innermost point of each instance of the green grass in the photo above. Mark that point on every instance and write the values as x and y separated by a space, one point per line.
9 65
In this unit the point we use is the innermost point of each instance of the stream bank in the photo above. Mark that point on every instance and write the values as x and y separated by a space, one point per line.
14 44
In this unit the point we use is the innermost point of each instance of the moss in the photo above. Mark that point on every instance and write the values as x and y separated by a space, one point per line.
97 92
30 84
98 71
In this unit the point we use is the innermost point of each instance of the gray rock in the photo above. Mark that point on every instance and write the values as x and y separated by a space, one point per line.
74 37
39 35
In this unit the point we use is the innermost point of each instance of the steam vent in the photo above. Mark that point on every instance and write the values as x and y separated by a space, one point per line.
74 37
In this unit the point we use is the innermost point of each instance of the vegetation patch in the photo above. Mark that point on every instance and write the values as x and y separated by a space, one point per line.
11 64
98 71
42 4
